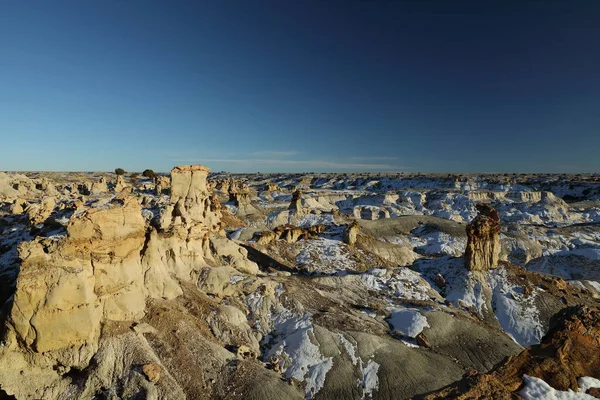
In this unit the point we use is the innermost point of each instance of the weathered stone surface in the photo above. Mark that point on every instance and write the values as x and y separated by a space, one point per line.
18 206
161 184
483 241
120 184
152 372
99 187
296 203
190 200
271 187
350 233
65 289
39 212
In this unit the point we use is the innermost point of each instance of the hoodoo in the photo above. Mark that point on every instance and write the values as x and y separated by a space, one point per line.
483 241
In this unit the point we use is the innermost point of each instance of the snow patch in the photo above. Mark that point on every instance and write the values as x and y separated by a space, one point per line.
536 388
370 379
291 349
407 322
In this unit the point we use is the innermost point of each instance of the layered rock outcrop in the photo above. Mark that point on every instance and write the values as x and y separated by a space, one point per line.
190 203
483 240
107 266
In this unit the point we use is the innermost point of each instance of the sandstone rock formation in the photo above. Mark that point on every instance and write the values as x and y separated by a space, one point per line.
99 186
296 203
483 241
39 212
350 233
161 184
18 206
224 185
15 185
271 187
105 268
190 202
120 184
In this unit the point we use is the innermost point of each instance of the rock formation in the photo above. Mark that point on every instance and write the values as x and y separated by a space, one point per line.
161 184
288 233
18 206
120 184
271 187
483 241
296 203
105 269
350 233
39 212
190 203
99 187
239 198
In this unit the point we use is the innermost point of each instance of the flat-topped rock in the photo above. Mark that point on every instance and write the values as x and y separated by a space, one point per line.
189 168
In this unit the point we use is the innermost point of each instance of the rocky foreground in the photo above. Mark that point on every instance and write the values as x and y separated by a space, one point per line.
299 286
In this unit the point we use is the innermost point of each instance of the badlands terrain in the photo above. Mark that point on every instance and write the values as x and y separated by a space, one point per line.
206 285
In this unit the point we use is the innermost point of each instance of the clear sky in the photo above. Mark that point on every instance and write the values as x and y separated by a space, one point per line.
330 85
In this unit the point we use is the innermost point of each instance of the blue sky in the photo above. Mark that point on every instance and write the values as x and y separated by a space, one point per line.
325 85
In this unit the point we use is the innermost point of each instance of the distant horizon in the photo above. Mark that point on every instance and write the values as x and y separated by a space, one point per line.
269 86
308 172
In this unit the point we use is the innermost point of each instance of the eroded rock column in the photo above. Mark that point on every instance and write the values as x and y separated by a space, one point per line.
483 241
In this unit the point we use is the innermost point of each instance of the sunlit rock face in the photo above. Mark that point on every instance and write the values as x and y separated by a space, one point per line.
483 241
190 202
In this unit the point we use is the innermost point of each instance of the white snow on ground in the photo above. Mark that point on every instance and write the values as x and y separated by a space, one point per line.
402 282
587 382
235 235
407 322
439 243
349 348
408 284
315 219
462 288
374 279
593 254
325 256
290 347
370 380
236 278
595 285
232 209
536 389
515 311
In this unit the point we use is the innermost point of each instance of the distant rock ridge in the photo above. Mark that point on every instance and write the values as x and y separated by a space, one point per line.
483 240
